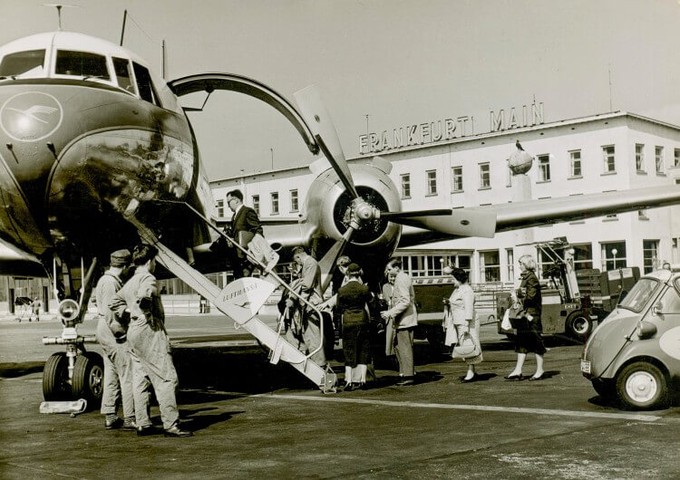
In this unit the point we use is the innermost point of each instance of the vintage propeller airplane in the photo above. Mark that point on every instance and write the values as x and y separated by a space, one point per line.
96 152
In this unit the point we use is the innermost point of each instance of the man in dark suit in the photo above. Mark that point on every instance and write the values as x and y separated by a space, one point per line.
244 225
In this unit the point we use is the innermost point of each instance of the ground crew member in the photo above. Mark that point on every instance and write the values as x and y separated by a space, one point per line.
36 304
150 344
117 360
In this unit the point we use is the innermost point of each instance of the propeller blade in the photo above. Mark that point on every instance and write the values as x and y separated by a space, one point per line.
460 222
327 263
320 123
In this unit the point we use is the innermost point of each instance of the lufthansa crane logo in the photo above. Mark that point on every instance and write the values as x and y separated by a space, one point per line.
31 116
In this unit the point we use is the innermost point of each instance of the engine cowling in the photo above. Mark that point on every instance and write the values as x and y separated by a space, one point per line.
330 206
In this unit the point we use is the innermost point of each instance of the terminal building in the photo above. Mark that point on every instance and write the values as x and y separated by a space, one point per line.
444 165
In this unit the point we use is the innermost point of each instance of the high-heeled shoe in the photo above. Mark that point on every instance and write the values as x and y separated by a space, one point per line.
515 377
469 380
537 377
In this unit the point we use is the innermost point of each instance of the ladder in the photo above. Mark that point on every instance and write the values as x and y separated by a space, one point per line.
240 300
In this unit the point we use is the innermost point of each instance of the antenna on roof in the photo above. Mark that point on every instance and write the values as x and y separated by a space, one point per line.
122 30
59 7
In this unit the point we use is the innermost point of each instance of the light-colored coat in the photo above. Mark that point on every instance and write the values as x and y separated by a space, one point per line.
403 303
150 345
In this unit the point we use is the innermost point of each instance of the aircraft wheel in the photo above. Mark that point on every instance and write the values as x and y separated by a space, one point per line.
55 378
579 326
642 386
88 378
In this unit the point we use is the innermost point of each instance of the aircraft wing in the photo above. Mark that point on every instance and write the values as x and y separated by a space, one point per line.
531 213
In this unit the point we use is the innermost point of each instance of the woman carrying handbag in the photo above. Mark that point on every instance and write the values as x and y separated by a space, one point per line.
462 318
528 338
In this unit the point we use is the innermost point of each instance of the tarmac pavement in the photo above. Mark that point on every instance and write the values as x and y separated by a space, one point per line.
252 419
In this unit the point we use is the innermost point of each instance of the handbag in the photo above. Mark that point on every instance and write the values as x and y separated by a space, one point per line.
466 347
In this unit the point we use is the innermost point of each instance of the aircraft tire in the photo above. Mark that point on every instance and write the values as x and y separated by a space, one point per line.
642 386
55 378
88 378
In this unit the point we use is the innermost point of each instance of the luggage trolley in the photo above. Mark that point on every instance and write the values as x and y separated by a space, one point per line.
23 308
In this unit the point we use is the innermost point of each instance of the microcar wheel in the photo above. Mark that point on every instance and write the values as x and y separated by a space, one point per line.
579 326
642 386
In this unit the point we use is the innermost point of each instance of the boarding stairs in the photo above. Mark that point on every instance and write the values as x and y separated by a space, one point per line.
240 301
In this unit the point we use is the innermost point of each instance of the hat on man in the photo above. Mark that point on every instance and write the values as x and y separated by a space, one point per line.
121 258
354 269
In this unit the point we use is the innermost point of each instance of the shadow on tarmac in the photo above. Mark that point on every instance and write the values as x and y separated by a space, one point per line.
13 370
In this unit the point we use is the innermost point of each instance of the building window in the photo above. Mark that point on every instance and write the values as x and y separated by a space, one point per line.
658 159
544 168
676 157
457 179
583 256
650 255
609 160
432 182
613 255
294 204
406 186
275 203
423 265
639 157
575 157
510 254
220 208
433 265
256 203
490 268
484 175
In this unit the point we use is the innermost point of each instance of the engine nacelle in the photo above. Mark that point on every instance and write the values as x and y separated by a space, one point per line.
330 206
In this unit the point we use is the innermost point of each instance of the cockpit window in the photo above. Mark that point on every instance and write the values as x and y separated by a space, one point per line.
29 63
82 64
123 74
144 84
639 295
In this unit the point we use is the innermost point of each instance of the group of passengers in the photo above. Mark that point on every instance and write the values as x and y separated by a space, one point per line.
359 314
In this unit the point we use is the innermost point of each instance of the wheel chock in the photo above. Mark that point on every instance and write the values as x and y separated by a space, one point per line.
73 407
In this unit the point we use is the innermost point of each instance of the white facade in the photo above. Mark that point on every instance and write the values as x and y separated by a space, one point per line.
610 152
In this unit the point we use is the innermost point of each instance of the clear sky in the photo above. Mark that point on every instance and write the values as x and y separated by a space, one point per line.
401 62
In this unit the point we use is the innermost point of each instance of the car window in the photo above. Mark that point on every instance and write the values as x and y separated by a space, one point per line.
639 295
670 301
82 64
28 64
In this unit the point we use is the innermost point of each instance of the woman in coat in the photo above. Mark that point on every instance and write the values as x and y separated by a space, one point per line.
528 338
461 305
353 298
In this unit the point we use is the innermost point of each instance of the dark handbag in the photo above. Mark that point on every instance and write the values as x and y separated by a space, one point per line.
517 318
466 347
